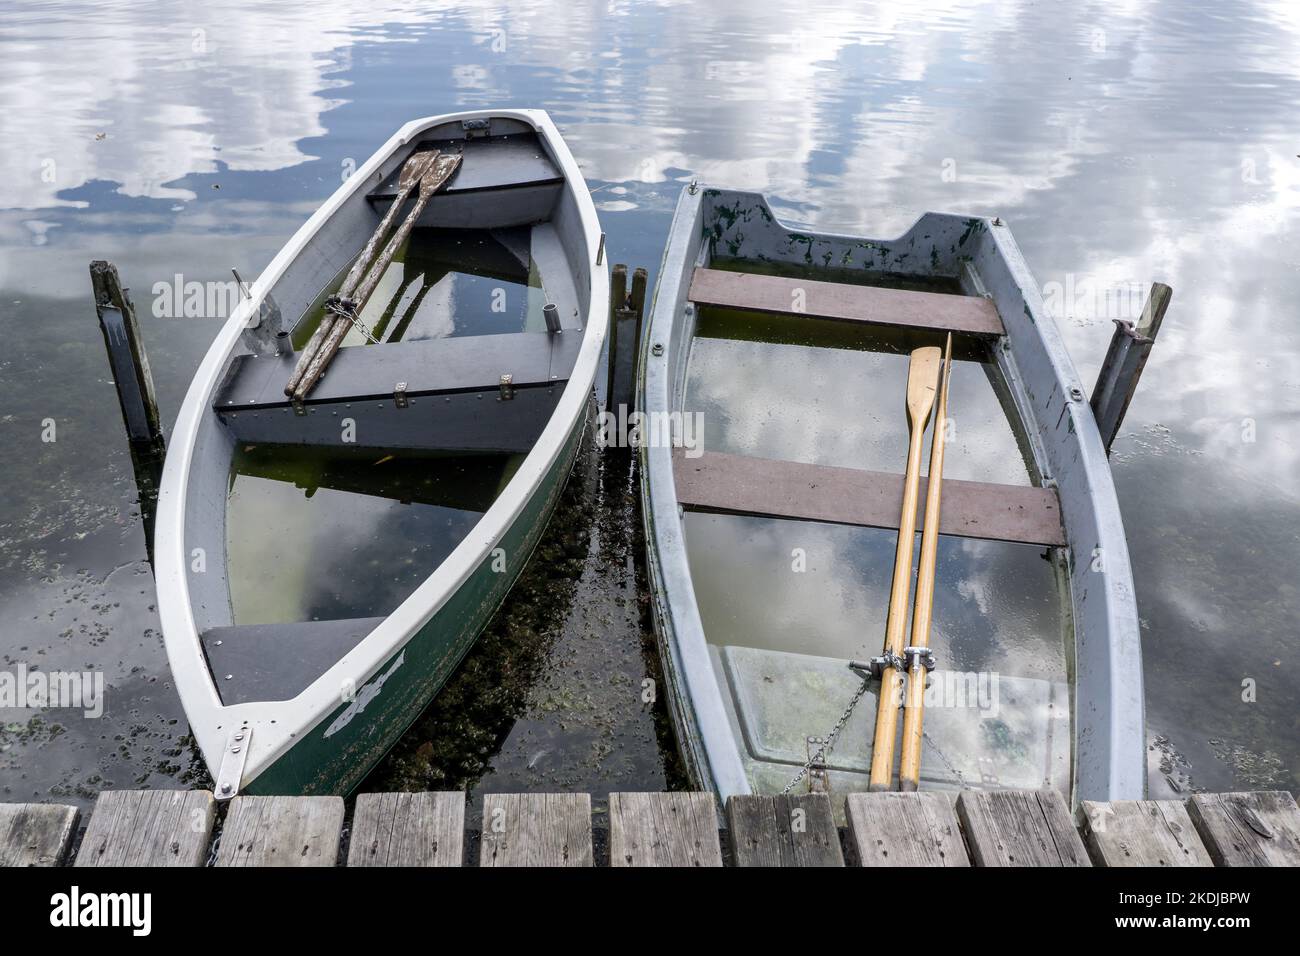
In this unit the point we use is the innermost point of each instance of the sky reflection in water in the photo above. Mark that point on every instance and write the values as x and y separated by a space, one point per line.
1152 140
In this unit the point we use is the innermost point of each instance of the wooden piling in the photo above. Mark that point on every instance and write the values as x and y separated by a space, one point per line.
626 310
126 354
617 302
134 384
1127 356
636 302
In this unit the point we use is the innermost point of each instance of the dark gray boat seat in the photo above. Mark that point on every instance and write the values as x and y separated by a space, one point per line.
255 662
502 181
429 395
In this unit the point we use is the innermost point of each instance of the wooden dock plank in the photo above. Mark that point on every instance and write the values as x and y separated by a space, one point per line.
35 834
905 829
785 830
149 828
1020 828
663 829
1248 829
843 302
738 484
536 829
1142 833
408 829
281 831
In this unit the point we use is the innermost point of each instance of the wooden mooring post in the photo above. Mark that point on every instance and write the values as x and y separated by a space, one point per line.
126 353
1127 356
626 307
134 384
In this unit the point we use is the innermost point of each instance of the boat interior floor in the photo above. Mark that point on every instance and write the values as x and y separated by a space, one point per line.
981 731
776 358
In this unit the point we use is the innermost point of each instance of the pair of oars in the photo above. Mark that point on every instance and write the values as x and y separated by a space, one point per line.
429 171
928 372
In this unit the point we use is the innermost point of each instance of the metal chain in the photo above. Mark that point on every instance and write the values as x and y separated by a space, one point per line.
345 312
824 751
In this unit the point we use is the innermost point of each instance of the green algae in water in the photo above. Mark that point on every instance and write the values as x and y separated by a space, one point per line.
322 534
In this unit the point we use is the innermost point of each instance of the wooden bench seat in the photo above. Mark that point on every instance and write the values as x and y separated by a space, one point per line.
779 295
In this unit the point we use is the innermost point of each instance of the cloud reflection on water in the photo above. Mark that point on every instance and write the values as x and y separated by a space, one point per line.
1131 142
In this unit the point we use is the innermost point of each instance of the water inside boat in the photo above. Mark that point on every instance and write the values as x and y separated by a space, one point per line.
786 603
337 513
317 534
324 532
446 283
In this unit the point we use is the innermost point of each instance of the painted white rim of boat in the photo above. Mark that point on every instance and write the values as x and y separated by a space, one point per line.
277 725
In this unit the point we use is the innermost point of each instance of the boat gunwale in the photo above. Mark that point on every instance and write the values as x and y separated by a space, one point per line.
278 724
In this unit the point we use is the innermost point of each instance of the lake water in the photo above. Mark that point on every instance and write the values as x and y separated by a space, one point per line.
1145 142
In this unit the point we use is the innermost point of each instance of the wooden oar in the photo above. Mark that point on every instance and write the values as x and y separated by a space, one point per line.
922 380
412 170
434 178
909 765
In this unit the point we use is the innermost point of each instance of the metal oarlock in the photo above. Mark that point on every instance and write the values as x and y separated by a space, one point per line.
919 656
877 665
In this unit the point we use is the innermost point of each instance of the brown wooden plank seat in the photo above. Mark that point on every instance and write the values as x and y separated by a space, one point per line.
778 295
735 484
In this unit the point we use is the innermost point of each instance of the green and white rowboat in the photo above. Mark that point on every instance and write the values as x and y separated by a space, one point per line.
298 702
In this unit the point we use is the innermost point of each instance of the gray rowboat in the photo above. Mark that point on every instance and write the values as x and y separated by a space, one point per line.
791 347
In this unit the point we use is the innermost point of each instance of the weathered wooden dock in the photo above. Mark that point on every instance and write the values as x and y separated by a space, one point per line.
988 828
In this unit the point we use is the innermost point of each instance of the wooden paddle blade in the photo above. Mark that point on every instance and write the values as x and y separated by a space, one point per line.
438 174
434 178
415 167
922 383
